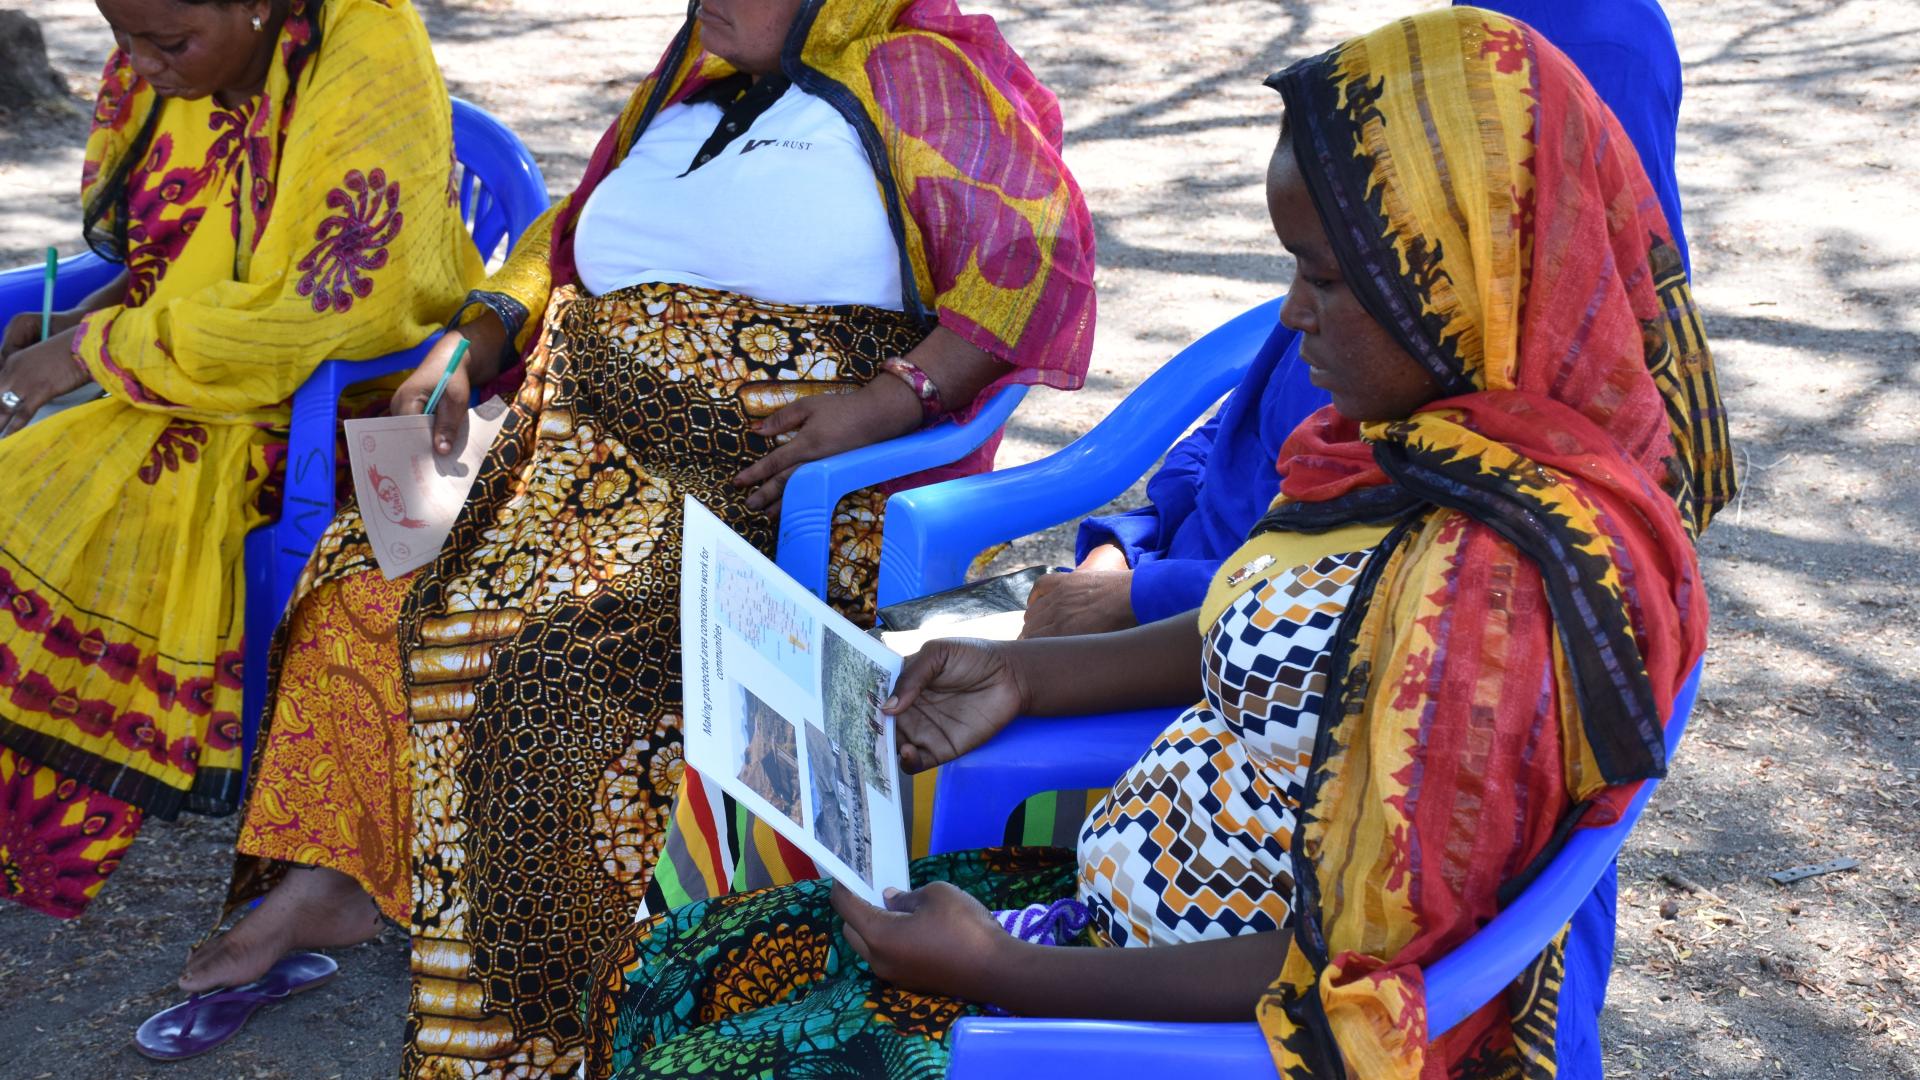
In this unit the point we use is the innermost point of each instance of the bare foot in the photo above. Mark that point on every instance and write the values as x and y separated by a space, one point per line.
311 908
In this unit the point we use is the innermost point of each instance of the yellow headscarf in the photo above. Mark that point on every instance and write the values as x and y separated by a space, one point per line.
319 222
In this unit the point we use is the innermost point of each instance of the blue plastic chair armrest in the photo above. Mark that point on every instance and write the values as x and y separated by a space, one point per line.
1033 754
309 501
933 532
1485 964
814 489
988 1048
20 287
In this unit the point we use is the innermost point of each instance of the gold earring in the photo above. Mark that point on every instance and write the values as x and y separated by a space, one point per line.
257 24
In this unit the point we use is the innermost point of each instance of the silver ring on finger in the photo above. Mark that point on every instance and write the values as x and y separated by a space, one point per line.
9 400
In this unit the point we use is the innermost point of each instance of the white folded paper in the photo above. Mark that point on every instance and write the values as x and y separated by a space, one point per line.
409 495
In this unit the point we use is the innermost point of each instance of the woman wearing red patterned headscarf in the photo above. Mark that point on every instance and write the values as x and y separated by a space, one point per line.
1455 637
818 224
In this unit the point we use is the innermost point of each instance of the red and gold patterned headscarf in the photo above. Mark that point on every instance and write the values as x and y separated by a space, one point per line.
1511 660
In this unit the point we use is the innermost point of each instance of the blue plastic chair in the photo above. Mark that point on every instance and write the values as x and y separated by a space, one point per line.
933 533
806 507
501 193
1033 755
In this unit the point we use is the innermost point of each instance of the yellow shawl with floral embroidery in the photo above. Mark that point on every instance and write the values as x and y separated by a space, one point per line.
316 222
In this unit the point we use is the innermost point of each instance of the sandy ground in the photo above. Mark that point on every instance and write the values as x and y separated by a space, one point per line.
1796 164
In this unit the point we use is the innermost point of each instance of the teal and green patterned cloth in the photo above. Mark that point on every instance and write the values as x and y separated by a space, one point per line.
762 984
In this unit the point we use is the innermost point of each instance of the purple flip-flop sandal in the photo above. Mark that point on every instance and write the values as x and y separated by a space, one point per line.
204 1021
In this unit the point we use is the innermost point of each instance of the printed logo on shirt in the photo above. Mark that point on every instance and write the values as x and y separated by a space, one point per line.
785 144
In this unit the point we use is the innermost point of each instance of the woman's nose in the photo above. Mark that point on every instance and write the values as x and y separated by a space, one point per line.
145 63
1295 313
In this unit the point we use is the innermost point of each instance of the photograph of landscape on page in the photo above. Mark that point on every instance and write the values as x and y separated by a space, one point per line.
783 709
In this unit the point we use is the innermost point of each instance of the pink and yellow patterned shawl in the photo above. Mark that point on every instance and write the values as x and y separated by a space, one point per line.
996 240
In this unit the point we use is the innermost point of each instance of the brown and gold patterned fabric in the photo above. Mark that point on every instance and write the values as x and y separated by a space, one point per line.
539 654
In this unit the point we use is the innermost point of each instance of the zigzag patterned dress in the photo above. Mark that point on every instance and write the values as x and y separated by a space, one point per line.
1191 844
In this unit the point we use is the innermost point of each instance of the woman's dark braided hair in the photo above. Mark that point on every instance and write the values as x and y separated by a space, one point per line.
109 201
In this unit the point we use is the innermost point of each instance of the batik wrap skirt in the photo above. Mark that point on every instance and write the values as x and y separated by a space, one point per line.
525 687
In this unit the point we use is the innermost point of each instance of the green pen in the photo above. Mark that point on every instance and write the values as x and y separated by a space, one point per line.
440 387
46 294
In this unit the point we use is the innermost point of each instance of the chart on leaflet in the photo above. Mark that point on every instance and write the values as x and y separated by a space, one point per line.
783 709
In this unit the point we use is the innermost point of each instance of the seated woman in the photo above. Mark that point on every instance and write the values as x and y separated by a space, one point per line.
817 226
266 224
1473 603
1145 564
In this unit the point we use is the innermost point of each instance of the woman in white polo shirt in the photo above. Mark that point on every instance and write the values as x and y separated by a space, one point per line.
819 224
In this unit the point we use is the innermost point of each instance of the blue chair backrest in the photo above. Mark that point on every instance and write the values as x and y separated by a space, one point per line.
501 189
501 195
933 533
79 276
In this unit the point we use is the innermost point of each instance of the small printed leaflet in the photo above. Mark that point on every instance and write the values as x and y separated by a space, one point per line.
783 709
409 495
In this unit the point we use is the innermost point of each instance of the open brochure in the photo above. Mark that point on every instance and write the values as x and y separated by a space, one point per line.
409 495
783 709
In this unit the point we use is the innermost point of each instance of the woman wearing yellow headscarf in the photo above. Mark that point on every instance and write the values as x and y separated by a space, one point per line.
275 175
1454 639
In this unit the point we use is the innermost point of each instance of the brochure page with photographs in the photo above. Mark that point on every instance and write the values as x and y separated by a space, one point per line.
783 709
